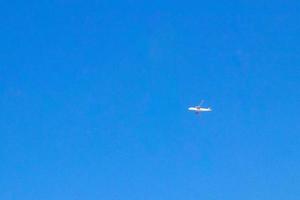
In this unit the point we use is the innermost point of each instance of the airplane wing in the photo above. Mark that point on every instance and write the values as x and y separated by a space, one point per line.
201 103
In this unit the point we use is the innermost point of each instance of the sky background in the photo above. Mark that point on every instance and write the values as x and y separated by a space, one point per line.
94 98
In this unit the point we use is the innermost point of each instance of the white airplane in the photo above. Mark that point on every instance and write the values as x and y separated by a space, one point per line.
199 108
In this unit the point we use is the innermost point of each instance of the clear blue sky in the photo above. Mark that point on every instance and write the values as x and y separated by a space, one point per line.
94 97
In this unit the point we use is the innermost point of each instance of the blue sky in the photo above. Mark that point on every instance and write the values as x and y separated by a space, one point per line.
94 99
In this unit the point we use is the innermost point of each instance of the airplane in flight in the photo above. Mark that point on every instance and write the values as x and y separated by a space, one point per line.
199 108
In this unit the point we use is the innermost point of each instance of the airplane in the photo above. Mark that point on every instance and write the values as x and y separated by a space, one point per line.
199 108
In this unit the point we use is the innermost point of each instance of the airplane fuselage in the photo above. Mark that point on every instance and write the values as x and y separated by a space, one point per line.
199 109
